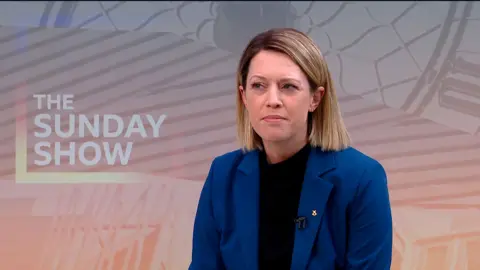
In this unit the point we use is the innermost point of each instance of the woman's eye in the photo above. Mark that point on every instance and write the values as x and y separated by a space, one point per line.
256 85
289 86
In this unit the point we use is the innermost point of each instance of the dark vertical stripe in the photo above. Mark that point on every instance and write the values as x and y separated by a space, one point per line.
46 13
65 14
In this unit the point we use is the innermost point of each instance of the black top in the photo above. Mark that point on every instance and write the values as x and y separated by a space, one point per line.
280 188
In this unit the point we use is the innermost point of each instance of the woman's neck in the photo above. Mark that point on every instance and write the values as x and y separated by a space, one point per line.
278 152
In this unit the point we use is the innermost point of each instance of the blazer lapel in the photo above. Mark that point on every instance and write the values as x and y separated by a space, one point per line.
313 200
247 205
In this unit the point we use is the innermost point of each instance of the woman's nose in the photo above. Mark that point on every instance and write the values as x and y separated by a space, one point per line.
273 97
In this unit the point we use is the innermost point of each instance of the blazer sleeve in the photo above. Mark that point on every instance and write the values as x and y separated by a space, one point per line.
206 236
370 223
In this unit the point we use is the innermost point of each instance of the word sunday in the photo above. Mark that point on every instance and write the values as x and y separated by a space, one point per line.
82 126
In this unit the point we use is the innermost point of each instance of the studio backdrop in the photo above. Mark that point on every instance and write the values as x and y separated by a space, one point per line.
111 113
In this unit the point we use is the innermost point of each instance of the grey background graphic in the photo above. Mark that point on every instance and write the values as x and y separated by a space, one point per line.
407 73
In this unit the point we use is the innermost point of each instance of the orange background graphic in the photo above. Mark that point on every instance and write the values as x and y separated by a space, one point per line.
408 77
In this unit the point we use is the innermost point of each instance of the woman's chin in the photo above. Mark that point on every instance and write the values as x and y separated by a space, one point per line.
274 136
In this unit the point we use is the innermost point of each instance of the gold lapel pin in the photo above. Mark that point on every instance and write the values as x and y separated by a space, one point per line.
314 212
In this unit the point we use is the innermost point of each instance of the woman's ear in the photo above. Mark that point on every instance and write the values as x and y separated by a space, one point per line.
242 93
316 98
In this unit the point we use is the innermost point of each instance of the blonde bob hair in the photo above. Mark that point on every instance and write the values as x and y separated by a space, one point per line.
326 128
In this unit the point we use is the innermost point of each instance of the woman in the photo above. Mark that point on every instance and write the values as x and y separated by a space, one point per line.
296 196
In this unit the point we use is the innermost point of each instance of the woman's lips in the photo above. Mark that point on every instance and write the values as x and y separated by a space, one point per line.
273 118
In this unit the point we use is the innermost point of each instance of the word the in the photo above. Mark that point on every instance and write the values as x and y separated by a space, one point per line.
62 102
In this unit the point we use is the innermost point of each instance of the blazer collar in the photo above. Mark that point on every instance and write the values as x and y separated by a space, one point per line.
313 200
249 162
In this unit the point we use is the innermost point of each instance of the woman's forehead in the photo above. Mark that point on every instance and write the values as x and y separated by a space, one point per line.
273 64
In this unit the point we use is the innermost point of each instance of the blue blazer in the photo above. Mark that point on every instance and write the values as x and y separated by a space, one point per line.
344 197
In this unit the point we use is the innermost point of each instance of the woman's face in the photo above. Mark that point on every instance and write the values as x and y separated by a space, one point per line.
278 98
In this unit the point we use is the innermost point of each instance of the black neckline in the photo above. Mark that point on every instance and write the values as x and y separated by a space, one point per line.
298 158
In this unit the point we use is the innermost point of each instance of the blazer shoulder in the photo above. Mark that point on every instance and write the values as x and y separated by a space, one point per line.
224 165
355 158
359 164
228 159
